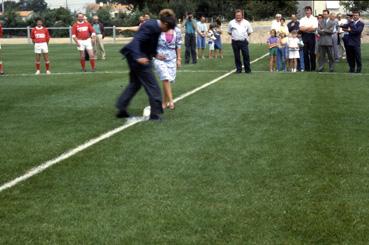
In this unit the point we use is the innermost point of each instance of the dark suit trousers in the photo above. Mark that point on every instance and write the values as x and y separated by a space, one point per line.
354 58
309 51
190 43
238 48
141 76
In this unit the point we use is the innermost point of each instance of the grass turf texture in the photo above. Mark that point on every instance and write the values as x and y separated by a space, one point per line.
260 158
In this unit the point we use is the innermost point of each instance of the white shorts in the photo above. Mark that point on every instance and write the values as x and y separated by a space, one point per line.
85 44
211 46
294 54
41 48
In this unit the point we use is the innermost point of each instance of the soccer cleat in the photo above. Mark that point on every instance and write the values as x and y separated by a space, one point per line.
83 70
38 72
48 72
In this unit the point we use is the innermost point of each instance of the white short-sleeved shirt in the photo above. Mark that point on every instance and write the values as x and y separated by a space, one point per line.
309 22
202 27
276 25
240 30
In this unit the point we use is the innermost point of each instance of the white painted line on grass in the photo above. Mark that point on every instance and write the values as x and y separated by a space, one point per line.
102 72
42 167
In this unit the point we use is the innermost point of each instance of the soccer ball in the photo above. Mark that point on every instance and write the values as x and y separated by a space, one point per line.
147 111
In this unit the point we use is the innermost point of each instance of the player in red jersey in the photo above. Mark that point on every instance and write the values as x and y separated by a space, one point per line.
1 60
41 37
84 34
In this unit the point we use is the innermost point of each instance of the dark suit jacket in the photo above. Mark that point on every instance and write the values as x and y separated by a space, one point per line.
293 26
354 36
325 30
145 42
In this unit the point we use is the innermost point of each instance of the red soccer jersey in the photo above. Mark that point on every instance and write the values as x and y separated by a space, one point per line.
40 35
83 30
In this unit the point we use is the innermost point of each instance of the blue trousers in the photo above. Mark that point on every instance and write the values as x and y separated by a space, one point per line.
281 59
301 62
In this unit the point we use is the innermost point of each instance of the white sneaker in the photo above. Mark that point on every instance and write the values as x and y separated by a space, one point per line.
38 72
48 72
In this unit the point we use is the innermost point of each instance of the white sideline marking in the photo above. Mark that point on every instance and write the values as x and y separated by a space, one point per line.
102 72
42 167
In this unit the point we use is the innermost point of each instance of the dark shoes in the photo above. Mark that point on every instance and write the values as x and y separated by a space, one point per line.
122 114
155 117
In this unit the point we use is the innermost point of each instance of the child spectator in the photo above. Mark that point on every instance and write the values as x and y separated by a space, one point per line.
212 38
301 62
293 48
282 52
218 42
273 47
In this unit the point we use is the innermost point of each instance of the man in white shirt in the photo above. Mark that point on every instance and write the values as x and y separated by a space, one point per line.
240 30
308 27
276 24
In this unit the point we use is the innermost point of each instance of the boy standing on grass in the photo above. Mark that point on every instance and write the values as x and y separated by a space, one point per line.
300 61
273 46
1 60
40 37
293 48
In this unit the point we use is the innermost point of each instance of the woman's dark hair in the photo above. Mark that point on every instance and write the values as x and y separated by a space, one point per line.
167 16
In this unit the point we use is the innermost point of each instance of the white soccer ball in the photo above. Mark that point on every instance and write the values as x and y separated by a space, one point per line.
147 111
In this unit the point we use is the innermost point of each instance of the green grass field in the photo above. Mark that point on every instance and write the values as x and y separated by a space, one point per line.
254 159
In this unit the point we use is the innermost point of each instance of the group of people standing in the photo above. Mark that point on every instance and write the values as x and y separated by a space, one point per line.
199 35
327 38
88 38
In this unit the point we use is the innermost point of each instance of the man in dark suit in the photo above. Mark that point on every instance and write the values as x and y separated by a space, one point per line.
354 28
139 53
325 30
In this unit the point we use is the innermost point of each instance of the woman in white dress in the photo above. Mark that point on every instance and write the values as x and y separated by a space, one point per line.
169 47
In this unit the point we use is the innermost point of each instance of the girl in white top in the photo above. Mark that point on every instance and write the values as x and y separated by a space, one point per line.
211 38
293 48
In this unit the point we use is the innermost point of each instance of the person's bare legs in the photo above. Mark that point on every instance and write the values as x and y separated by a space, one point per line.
168 95
271 63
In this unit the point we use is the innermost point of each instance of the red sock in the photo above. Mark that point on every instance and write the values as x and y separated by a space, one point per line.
47 65
38 66
83 64
1 67
92 62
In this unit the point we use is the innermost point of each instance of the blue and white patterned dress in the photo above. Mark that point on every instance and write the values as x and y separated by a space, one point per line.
167 68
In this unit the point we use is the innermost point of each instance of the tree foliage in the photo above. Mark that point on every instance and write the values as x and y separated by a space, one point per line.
355 5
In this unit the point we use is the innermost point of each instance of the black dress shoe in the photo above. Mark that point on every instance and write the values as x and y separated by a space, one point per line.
358 70
248 71
352 71
122 114
155 117
238 71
